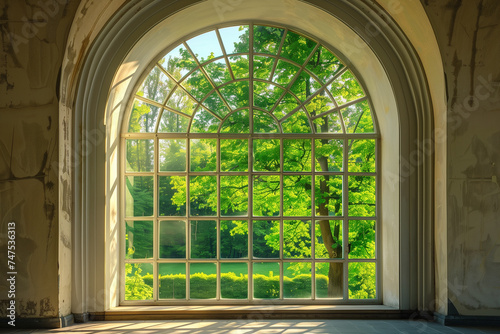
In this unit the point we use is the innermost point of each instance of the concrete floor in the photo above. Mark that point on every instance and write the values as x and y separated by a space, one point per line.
262 327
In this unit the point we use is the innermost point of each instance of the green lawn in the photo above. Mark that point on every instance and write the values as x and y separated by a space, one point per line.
210 268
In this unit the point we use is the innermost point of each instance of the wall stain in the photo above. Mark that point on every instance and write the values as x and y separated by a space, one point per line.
46 307
455 6
474 52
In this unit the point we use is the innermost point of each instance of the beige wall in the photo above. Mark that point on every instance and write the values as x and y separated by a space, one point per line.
29 132
468 34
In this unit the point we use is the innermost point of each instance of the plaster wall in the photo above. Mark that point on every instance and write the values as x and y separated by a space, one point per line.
467 33
33 39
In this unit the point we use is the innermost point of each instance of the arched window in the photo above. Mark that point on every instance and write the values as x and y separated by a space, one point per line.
250 174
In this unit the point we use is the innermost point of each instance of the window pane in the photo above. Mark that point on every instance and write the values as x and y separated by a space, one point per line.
297 195
237 122
203 155
202 280
171 122
266 280
172 280
172 239
266 155
236 94
235 39
362 196
172 155
266 195
266 239
143 117
203 239
362 155
262 67
234 195
139 239
265 94
362 239
292 52
218 71
329 280
298 122
362 280
233 239
234 155
205 46
234 280
346 88
140 156
204 122
330 123
284 73
328 195
264 122
296 239
297 280
156 86
329 155
181 101
203 198
172 195
297 155
357 118
324 64
267 39
138 281
178 69
139 196
328 244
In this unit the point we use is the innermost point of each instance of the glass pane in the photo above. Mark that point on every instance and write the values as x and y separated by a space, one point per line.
362 193
203 239
235 39
297 123
240 66
328 195
156 86
172 154
319 104
362 155
266 195
284 73
180 101
266 155
172 239
233 239
218 71
171 122
297 280
324 64
140 156
330 123
362 280
296 239
139 196
139 240
197 85
362 239
305 86
204 122
265 95
264 123
329 155
328 244
237 122
178 62
297 47
297 195
267 39
143 117
205 46
357 118
172 196
215 104
138 281
266 239
285 106
203 155
297 155
266 280
262 67
234 280
234 155
329 280
236 94
346 88
172 280
202 280
203 195
234 195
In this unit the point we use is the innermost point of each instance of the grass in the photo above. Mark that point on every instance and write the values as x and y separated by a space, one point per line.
210 268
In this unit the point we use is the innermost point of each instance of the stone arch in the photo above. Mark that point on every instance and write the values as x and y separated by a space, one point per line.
105 57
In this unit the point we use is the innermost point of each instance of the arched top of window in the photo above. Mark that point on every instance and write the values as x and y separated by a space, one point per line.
250 79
